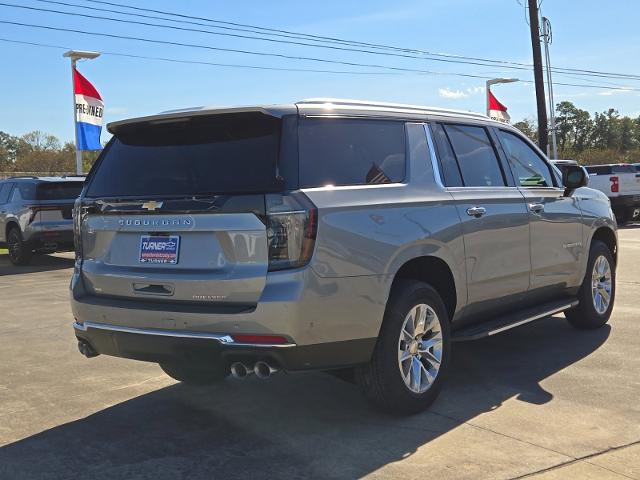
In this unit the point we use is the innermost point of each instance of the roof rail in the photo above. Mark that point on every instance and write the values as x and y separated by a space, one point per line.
402 106
20 176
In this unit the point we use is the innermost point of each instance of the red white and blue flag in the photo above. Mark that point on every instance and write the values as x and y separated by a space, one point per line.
89 111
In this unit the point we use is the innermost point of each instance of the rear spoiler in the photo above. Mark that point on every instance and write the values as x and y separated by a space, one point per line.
176 115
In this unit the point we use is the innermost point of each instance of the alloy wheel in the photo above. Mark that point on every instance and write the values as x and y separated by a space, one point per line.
601 284
420 348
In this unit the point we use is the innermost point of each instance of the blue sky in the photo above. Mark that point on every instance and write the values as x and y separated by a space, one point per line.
35 81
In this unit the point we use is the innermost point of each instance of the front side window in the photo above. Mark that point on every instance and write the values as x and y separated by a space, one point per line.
476 156
529 169
340 151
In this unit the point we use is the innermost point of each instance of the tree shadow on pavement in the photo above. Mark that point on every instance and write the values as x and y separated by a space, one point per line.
293 426
39 263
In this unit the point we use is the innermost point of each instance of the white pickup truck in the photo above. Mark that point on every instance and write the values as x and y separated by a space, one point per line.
621 183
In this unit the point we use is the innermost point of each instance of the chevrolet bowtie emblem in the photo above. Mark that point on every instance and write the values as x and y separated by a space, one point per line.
152 205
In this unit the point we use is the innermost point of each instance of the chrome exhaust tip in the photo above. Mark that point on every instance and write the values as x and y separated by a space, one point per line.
87 350
240 370
263 370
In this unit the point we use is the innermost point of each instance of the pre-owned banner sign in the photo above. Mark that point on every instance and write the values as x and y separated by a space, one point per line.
89 112
497 111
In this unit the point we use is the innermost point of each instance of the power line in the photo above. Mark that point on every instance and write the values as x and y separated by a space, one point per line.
221 49
301 70
408 53
376 45
332 47
202 62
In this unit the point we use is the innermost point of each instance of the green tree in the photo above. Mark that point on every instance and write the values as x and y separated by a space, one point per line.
40 152
528 127
628 134
606 130
8 151
573 127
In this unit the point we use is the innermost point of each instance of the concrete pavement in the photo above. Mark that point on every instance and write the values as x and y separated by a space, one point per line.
542 401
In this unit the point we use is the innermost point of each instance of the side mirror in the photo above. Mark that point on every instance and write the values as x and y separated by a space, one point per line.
574 177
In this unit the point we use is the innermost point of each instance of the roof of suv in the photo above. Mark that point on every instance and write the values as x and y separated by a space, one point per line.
312 105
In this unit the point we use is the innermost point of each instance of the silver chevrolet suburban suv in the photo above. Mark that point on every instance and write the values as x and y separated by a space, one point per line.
332 235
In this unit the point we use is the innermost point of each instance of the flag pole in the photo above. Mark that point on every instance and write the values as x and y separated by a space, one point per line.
79 169
494 81
74 55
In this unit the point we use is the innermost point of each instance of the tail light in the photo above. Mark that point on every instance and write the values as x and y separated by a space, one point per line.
292 224
615 186
77 224
35 209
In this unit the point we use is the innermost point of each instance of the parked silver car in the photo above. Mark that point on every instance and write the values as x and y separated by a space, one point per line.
330 234
35 215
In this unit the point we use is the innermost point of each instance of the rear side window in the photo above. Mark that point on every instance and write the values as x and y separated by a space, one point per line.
23 191
476 156
233 153
599 169
350 152
623 169
59 190
529 169
448 163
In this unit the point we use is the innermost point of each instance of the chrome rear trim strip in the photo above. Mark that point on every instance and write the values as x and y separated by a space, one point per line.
222 339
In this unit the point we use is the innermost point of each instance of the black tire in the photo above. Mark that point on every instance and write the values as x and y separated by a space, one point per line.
585 316
381 380
19 251
194 374
624 215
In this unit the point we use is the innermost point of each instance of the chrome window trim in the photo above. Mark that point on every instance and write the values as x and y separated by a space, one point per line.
223 339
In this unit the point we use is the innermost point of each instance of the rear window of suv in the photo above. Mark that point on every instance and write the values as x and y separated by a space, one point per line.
59 190
339 151
207 155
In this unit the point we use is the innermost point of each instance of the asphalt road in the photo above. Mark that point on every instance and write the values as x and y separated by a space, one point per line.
543 400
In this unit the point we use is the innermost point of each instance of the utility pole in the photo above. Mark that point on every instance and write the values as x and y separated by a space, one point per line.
538 75
548 39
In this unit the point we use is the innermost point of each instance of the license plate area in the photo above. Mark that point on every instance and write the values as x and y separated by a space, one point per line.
159 249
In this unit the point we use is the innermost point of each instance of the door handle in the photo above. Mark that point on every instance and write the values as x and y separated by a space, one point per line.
476 212
536 207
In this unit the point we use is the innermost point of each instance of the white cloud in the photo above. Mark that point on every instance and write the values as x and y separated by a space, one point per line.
456 94
448 93
609 93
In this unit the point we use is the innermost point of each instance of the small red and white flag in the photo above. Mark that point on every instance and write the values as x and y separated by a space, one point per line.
497 111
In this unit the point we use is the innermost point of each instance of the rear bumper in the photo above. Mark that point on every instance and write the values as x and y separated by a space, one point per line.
331 323
51 240
625 201
159 346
